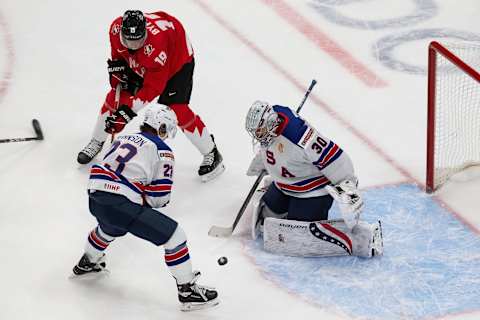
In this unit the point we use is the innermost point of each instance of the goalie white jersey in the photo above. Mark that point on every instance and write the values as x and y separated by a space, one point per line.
137 166
301 161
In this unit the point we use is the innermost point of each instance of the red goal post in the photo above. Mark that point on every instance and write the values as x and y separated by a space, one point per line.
453 121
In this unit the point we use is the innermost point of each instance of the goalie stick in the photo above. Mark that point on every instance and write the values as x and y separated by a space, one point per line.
36 128
223 232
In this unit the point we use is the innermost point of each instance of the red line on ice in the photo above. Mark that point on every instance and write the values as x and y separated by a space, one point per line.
301 87
325 43
328 109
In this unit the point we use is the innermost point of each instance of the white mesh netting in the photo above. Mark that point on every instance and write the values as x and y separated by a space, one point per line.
457 113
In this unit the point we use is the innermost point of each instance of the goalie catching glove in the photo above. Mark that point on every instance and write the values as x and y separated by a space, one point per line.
120 72
116 122
349 200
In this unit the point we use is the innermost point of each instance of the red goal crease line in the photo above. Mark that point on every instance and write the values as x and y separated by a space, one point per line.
325 43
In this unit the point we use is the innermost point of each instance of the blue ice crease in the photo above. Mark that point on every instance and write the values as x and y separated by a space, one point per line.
430 267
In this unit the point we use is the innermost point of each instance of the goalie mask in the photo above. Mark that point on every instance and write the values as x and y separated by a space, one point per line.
133 33
262 122
162 119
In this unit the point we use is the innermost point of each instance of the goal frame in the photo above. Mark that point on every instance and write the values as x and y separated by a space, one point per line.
435 49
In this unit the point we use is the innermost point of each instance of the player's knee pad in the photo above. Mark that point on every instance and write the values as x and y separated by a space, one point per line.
178 238
188 121
185 116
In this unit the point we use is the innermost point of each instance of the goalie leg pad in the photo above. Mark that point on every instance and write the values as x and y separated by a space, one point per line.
305 239
322 238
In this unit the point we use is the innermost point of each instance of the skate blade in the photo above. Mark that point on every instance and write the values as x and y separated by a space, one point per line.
91 275
212 175
192 306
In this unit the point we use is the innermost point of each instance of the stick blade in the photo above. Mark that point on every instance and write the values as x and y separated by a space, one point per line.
38 129
220 232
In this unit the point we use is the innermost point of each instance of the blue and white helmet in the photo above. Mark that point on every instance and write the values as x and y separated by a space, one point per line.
262 122
163 119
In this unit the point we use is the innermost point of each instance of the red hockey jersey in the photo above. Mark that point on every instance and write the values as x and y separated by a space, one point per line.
165 51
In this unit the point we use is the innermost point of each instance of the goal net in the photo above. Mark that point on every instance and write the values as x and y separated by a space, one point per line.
453 128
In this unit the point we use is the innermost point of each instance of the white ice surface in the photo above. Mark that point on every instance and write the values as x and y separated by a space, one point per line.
56 52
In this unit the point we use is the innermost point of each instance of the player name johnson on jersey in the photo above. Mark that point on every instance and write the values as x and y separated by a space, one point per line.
143 156
301 161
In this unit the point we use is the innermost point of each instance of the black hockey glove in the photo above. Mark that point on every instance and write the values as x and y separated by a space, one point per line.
119 71
119 119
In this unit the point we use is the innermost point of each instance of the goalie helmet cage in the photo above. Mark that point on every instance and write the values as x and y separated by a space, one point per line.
453 121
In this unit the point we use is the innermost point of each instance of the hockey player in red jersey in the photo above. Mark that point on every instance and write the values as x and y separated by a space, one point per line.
151 57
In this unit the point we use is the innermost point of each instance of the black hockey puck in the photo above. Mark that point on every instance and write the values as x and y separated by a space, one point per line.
222 261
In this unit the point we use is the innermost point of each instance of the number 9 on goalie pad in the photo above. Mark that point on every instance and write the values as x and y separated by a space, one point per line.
322 238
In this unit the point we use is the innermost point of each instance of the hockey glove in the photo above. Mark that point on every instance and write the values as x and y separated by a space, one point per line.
256 166
116 122
349 201
120 72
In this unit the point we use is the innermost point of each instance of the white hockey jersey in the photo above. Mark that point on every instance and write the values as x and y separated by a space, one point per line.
301 161
137 166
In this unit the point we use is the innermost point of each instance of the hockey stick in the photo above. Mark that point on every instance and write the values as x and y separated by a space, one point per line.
36 128
223 232
117 102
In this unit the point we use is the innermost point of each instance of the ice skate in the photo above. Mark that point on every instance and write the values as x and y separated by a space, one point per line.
377 240
90 151
86 266
212 165
194 297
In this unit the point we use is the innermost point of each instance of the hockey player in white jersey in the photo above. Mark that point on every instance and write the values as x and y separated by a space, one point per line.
135 176
309 171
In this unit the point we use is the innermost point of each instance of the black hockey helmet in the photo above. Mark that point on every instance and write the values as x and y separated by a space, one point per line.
134 31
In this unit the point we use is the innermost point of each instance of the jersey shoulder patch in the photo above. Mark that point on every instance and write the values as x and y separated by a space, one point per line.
307 136
293 127
116 26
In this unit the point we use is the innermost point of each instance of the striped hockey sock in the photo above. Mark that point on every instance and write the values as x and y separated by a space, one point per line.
97 242
178 261
177 257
